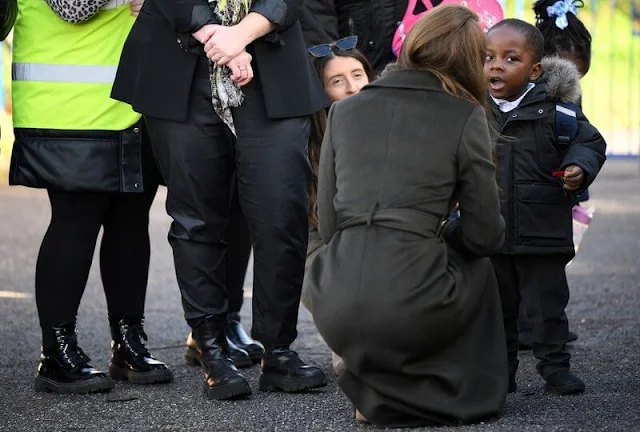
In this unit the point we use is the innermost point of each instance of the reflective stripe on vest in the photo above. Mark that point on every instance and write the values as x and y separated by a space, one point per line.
63 73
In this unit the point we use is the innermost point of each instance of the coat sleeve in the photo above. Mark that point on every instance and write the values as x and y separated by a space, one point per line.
282 13
327 217
587 150
480 229
186 16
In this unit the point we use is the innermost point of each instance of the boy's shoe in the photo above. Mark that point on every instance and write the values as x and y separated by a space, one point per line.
563 382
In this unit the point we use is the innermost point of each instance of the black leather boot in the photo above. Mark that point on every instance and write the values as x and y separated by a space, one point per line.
237 335
239 356
131 359
222 379
64 368
563 382
282 370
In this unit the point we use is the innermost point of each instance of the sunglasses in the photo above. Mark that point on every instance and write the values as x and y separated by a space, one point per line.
343 44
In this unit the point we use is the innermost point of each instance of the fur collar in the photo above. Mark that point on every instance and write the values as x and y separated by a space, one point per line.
562 79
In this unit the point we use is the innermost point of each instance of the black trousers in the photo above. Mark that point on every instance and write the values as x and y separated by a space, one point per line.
540 284
67 251
197 158
238 238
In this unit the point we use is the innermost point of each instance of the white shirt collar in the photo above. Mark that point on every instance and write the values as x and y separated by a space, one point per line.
506 106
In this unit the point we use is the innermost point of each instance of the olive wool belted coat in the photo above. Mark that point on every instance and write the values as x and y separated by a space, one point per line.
413 312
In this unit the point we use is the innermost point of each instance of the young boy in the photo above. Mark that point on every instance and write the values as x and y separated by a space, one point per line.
539 175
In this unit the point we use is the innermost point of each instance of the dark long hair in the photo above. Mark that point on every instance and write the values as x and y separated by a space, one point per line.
574 40
319 122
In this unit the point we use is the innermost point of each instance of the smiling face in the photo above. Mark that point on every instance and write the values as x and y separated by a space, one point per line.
510 63
343 77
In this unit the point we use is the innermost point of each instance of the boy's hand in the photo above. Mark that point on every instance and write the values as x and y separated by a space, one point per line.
573 177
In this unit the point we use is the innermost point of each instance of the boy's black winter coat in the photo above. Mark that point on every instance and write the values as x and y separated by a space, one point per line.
534 204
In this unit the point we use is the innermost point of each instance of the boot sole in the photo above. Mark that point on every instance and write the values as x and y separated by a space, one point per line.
192 358
570 389
229 391
275 383
135 377
93 385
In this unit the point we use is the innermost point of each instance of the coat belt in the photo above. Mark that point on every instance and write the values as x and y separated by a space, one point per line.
408 220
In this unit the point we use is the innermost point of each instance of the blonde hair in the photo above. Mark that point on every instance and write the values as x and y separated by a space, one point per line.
449 43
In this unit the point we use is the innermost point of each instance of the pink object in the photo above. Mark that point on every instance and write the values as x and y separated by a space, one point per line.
489 11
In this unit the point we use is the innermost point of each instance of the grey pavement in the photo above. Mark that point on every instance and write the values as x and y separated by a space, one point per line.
603 310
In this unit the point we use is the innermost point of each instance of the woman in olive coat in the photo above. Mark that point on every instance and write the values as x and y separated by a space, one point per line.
409 303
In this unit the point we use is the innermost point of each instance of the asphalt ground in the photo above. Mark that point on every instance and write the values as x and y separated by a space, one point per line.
603 311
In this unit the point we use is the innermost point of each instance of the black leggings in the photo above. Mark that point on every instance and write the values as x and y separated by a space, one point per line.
67 250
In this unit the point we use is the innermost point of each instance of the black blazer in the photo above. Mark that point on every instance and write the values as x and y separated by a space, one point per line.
159 59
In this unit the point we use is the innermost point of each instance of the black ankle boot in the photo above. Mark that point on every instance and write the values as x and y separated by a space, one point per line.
222 379
282 370
131 359
237 335
563 382
239 356
64 368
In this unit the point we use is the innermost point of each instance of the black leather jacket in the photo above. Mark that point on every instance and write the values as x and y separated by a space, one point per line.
375 23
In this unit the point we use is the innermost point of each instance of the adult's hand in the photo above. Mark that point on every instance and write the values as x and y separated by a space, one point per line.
204 33
135 7
241 71
226 44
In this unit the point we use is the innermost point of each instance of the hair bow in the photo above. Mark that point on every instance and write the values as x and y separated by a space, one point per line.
559 11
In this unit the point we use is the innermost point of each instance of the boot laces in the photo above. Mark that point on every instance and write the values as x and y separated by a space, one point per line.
134 338
71 353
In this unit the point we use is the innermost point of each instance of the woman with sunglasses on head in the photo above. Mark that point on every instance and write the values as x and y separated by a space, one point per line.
343 71
408 299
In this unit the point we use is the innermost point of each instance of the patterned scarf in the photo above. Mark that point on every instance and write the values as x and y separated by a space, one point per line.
226 93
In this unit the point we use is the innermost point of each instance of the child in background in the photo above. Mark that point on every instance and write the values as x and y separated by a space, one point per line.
564 36
539 178
563 32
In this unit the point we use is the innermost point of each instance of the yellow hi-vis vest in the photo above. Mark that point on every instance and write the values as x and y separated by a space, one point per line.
63 73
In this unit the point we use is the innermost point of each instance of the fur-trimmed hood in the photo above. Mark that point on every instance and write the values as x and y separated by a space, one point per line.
562 79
